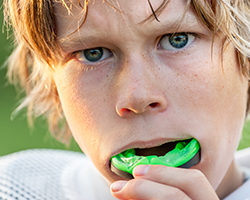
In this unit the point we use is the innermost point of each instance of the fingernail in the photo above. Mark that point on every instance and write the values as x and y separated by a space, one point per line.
117 186
141 170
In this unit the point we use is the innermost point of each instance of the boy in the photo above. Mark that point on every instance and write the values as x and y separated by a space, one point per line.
124 78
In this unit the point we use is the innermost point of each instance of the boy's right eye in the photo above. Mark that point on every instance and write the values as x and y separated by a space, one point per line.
93 55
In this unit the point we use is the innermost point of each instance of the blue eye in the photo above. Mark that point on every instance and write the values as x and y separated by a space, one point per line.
176 41
93 55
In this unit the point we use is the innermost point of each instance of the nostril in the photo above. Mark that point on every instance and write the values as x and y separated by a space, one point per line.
140 105
153 105
125 110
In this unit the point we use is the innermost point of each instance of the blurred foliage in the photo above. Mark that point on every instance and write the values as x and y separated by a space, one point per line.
245 138
15 135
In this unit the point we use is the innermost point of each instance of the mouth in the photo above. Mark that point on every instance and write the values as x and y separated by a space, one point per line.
184 153
157 151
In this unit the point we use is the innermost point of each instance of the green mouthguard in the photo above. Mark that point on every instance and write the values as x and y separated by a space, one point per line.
183 152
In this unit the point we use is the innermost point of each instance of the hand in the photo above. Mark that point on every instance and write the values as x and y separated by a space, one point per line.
161 182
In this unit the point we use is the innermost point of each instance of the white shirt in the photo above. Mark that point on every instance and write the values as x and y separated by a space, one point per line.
50 175
243 192
43 174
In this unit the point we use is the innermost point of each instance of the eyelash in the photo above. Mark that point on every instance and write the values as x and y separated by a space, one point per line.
181 50
108 53
81 55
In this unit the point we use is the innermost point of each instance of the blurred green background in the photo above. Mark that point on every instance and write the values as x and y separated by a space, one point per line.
15 134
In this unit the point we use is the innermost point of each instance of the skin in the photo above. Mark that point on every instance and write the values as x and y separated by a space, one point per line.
143 94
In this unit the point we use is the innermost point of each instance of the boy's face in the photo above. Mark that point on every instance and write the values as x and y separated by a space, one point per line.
139 88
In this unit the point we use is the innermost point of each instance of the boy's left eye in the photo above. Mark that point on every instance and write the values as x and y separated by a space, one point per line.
93 55
176 41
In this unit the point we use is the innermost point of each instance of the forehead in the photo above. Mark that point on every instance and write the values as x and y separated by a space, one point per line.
75 7
122 21
116 14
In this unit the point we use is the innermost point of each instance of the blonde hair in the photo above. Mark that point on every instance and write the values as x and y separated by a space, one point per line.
37 49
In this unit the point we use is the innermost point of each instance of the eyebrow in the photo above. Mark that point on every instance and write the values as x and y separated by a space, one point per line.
82 36
79 39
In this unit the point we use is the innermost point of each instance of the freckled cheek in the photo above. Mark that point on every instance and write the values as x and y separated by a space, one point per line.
218 106
88 123
87 110
74 106
213 99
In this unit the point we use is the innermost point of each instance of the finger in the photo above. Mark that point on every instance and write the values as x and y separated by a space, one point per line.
138 189
191 181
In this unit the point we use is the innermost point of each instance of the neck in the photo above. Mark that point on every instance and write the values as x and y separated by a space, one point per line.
231 181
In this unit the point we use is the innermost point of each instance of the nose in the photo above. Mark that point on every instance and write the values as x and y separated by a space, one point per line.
140 91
